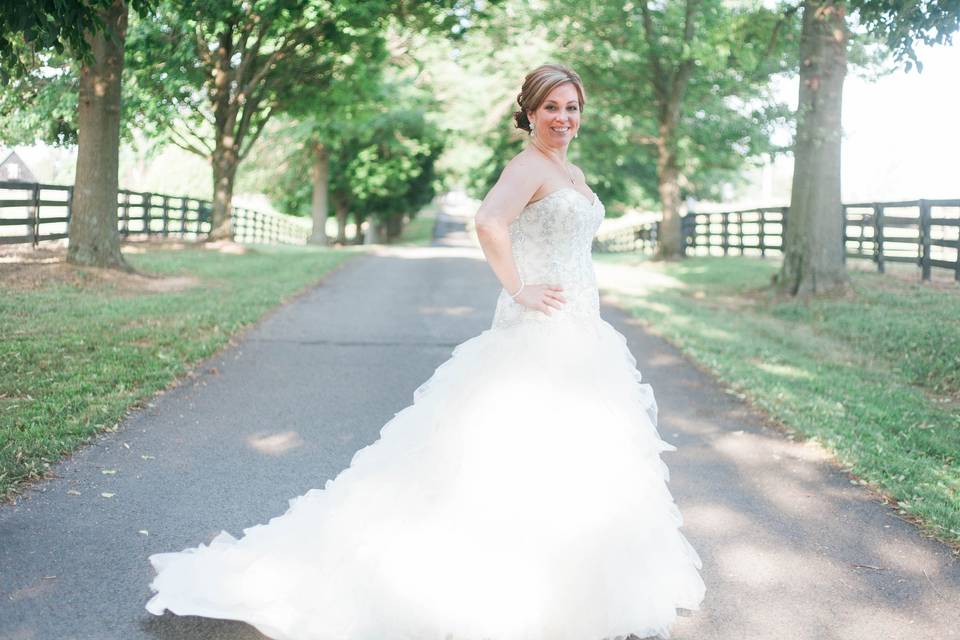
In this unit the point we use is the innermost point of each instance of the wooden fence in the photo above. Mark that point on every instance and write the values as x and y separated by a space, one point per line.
921 232
32 212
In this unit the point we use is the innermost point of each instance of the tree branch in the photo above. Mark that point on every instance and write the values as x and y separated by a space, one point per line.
291 41
248 58
179 140
659 78
202 51
642 138
786 15
256 132
250 107
685 69
197 137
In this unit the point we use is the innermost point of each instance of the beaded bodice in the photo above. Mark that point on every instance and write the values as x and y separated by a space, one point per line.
551 242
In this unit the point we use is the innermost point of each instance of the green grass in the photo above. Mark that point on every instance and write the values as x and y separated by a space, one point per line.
75 356
874 377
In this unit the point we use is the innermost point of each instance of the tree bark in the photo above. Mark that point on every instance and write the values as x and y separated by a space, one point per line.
394 227
341 210
813 261
358 220
668 242
225 163
319 173
93 236
670 82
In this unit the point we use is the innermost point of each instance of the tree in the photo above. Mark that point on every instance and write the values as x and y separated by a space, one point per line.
381 168
29 29
93 33
356 95
679 86
813 243
218 72
813 250
93 225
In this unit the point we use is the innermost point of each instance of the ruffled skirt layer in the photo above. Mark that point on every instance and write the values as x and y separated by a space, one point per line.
520 497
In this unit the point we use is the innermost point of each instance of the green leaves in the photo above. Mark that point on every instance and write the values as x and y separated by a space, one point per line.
710 66
904 23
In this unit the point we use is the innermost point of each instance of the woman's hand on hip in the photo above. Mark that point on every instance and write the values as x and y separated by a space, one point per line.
542 297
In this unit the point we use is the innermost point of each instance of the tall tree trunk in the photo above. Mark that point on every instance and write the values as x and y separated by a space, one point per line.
319 174
668 242
358 220
226 153
670 81
225 163
394 227
813 259
94 239
341 210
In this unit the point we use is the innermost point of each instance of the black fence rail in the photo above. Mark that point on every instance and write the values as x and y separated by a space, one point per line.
33 212
30 212
252 226
921 232
158 214
640 237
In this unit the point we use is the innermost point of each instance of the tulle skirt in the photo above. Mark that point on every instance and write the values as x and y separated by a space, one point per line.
520 497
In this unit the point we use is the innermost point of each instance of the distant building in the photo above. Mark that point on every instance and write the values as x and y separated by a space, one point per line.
14 168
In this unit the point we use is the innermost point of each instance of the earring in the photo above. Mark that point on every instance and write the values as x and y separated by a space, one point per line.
532 134
577 132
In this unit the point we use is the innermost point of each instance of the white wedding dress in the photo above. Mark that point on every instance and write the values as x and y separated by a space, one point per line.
520 497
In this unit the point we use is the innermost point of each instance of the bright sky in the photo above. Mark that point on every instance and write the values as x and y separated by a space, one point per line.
902 132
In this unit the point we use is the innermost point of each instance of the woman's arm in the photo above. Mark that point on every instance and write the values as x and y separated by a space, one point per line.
501 206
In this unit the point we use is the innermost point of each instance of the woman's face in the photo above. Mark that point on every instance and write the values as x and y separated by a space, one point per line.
558 118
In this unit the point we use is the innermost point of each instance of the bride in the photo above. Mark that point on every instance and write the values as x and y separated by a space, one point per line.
520 497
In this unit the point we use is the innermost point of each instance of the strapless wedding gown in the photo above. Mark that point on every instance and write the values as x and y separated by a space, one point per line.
520 497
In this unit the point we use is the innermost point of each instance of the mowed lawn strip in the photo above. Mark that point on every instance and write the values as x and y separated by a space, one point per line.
874 377
75 355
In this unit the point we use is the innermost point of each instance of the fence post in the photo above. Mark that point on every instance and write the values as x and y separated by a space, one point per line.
166 215
683 236
35 214
725 217
784 216
125 214
203 216
183 218
925 239
878 236
147 205
761 239
843 232
740 231
69 207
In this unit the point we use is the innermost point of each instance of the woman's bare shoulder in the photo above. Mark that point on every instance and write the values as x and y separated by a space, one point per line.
525 159
523 168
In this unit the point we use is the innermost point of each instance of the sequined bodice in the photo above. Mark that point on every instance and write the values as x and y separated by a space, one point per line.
551 241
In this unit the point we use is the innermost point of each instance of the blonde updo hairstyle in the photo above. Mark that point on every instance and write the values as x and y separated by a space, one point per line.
538 84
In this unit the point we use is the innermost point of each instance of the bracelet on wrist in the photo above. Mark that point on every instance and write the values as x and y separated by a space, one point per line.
514 295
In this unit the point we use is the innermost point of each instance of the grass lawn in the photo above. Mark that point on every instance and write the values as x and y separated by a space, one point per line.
79 347
874 377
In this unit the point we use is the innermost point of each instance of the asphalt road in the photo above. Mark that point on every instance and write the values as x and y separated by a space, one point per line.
791 549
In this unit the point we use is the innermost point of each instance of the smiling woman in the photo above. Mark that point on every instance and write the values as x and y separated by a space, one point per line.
520 497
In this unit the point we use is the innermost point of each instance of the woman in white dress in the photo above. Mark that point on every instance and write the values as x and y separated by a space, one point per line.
520 497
